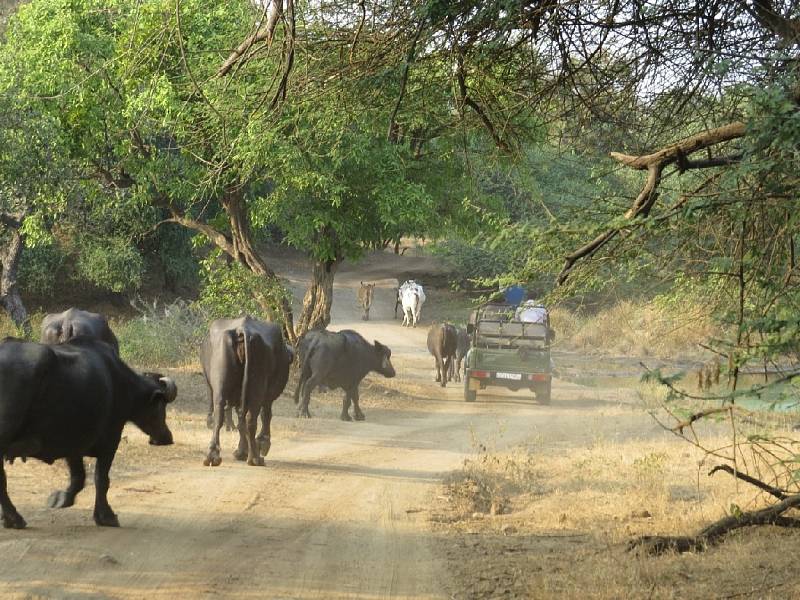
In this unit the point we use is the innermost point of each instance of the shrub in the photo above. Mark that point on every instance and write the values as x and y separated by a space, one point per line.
165 336
231 290
39 268
111 264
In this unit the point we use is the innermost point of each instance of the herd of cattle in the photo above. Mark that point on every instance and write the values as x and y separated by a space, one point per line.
71 395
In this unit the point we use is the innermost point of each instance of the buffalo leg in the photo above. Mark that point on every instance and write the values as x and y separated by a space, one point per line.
103 515
77 479
11 518
357 414
241 451
210 416
457 370
345 416
250 419
447 373
310 385
438 362
264 435
213 459
228 418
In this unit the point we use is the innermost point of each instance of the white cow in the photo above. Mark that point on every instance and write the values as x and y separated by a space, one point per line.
412 297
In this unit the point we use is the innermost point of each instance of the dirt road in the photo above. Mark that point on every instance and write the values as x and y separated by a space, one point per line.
338 512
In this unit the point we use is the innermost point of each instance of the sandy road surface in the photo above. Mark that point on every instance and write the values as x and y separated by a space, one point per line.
338 512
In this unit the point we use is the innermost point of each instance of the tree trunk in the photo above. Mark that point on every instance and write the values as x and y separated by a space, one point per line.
317 302
243 250
9 290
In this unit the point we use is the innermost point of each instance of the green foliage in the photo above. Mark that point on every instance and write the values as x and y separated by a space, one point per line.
40 269
111 264
473 260
231 290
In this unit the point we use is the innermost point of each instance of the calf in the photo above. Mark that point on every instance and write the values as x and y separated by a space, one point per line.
62 327
246 366
365 294
70 401
442 342
338 360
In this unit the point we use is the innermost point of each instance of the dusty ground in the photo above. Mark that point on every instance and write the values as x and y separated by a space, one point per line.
362 510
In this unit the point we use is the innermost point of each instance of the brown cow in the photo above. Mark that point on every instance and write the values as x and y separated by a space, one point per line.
442 343
365 295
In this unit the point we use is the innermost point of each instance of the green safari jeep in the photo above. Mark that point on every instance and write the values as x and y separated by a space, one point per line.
508 353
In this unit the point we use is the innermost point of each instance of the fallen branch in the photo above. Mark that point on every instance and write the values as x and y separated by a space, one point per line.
655 545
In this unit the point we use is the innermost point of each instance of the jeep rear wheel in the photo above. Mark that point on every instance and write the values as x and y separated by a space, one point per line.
469 395
543 393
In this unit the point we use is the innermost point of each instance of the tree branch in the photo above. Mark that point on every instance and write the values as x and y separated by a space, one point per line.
654 164
772 491
656 545
467 100
670 154
216 237
787 29
265 32
393 134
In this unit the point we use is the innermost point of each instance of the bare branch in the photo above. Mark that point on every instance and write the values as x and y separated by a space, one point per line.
773 491
264 33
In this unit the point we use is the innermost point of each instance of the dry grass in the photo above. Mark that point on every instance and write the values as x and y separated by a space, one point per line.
538 523
635 329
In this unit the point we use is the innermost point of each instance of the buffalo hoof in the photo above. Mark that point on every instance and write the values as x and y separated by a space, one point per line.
359 416
212 460
60 499
263 446
106 519
240 454
14 521
345 417
256 461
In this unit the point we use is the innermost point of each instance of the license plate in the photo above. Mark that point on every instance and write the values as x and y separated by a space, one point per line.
512 376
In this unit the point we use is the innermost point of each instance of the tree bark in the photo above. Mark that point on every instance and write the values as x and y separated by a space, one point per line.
316 313
243 250
240 247
264 33
9 290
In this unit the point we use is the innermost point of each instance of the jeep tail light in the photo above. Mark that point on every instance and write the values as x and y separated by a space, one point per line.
480 374
539 377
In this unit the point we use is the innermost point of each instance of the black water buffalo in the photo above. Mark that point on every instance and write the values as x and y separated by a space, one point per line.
246 365
69 401
62 327
442 342
339 360
463 343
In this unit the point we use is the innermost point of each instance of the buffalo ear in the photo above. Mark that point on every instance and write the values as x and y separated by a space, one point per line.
168 388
